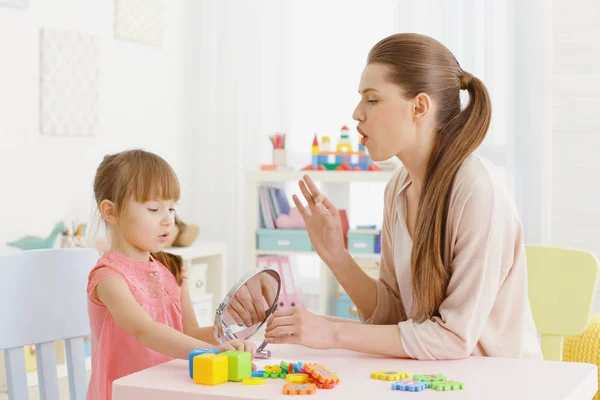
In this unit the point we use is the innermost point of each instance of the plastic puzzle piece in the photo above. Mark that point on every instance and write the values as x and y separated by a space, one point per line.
408 385
297 378
211 369
443 386
321 374
299 389
240 365
274 375
429 378
298 367
325 385
197 352
258 374
389 375
291 368
253 381
273 369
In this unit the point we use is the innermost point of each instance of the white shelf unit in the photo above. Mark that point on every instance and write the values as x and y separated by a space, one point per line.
335 185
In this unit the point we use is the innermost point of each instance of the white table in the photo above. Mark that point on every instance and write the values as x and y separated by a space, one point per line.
484 378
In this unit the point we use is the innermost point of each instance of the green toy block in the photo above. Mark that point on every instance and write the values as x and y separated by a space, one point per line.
447 385
275 375
240 365
210 369
429 378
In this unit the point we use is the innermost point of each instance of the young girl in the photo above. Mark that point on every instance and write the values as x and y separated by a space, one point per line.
453 274
138 300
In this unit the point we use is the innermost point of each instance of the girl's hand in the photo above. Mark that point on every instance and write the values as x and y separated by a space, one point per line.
322 221
295 325
238 345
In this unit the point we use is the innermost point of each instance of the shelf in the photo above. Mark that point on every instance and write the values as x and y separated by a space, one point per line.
361 256
322 176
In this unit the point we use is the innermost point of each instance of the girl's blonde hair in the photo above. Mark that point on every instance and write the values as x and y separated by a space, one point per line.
141 176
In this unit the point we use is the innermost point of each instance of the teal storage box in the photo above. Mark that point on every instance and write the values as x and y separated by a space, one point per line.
344 308
360 241
283 239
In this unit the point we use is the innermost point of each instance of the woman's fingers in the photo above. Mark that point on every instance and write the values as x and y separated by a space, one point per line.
306 193
328 205
239 312
311 186
243 296
281 321
303 211
329 220
282 331
287 339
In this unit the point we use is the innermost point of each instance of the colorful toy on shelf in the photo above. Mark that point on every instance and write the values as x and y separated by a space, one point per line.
447 385
240 365
35 242
410 386
211 369
343 158
388 375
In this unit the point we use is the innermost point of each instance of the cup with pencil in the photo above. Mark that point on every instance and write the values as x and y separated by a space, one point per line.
279 153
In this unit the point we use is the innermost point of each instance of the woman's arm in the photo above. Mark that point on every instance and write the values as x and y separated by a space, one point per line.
295 325
383 340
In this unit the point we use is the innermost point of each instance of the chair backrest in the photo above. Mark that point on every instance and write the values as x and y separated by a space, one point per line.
43 299
561 286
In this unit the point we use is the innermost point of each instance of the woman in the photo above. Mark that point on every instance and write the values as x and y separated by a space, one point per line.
453 278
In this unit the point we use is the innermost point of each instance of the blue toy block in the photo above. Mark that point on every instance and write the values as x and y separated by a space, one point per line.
408 385
197 352
258 374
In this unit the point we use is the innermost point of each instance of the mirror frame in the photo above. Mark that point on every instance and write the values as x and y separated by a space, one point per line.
223 334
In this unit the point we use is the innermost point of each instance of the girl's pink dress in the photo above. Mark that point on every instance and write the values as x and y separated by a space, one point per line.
116 353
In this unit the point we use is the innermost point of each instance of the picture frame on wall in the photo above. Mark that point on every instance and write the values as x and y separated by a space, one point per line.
14 3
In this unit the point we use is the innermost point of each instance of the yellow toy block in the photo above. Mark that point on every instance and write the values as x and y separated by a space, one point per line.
297 378
253 381
211 369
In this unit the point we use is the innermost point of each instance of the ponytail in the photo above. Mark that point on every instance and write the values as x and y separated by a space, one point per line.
461 135
174 263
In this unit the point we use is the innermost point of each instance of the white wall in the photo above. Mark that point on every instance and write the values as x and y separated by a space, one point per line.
44 179
575 135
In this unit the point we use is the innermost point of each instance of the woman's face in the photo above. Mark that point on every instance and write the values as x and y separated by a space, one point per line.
384 115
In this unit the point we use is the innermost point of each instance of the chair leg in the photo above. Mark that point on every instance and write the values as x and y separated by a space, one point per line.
552 347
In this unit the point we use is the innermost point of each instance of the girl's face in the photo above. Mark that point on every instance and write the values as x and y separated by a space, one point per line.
385 117
147 226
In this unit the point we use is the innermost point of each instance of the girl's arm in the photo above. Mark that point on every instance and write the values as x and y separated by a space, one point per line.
129 315
190 322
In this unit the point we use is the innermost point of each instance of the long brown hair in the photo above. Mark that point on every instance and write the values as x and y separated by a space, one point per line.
143 176
420 64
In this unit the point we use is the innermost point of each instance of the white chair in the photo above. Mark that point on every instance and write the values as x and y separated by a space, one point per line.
43 299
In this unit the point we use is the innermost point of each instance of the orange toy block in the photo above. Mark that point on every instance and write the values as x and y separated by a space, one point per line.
211 369
321 374
295 388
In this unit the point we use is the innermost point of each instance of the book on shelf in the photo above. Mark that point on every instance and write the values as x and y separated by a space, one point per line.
273 202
